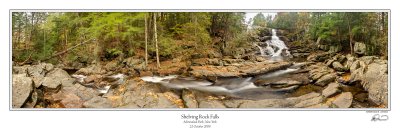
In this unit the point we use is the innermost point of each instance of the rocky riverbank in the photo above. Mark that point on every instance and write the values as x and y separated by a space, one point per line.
343 81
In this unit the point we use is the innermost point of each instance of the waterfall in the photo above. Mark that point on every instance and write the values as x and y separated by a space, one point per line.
275 47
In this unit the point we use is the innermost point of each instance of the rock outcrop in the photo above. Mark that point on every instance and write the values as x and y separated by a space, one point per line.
22 87
237 70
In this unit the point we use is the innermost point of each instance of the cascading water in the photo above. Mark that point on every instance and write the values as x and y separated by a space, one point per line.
236 87
275 47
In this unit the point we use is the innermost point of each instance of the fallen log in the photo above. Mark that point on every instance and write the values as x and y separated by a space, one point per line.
65 51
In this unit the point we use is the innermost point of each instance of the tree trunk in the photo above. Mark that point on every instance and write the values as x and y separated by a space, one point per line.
65 51
145 39
350 35
155 38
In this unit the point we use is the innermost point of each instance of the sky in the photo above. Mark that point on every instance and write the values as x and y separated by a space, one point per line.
252 14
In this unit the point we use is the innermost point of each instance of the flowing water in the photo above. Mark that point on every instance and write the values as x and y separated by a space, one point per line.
275 50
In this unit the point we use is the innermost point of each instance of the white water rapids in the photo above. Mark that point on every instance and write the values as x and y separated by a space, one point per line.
274 48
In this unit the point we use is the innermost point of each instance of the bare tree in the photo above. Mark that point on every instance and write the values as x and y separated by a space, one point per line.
145 38
155 38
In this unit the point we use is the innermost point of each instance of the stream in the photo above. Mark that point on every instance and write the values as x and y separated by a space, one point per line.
241 87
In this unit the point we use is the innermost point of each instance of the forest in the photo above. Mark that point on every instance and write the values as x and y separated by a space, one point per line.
200 59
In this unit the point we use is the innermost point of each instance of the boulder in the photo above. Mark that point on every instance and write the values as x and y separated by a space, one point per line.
326 79
58 73
51 84
338 67
36 70
344 100
211 104
330 90
318 57
375 81
38 80
22 87
360 48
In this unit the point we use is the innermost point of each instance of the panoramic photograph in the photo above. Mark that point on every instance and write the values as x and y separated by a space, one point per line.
206 60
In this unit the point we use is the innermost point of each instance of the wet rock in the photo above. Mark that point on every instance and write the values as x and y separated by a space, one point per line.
189 99
22 87
326 79
98 102
344 100
332 89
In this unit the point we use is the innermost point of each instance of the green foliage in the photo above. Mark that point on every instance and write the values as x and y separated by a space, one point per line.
259 20
112 53
167 47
